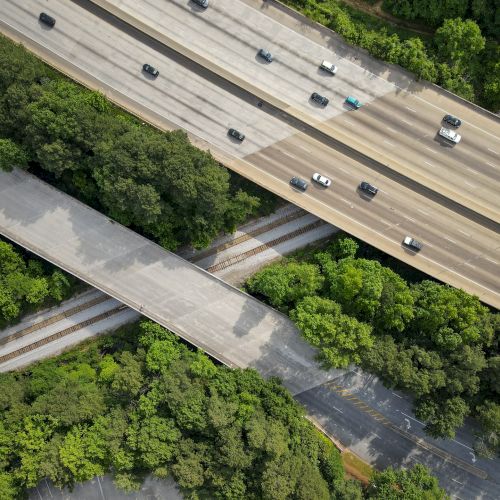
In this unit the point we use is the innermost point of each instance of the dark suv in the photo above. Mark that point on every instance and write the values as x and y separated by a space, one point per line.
236 134
46 19
298 183
201 3
452 120
368 188
319 99
266 55
151 70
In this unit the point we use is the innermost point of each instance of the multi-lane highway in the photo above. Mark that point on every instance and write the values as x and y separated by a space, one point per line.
399 120
460 246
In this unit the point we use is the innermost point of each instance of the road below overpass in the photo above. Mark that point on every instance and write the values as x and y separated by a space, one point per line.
461 247
232 327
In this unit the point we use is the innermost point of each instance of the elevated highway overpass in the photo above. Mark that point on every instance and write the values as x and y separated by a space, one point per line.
461 247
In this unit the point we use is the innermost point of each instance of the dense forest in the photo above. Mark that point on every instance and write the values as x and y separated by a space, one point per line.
154 182
462 55
27 283
141 402
437 342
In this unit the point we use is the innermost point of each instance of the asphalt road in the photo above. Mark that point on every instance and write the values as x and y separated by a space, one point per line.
461 247
399 119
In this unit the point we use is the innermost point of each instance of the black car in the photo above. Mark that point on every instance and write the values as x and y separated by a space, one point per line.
368 188
46 19
265 54
201 3
151 70
452 120
236 134
319 99
413 243
298 183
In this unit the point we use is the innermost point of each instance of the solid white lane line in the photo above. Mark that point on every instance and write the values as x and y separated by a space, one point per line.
462 444
410 109
466 234
493 151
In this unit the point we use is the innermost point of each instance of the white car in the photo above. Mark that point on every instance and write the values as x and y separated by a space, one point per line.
449 134
328 66
321 179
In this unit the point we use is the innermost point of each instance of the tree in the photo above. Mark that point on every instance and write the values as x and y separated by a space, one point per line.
342 247
405 484
488 440
340 338
458 41
283 284
414 57
12 155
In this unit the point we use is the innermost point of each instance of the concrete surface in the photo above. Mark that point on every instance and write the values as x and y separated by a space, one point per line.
461 247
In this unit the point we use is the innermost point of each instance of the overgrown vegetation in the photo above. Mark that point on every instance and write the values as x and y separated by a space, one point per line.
459 57
436 341
155 182
27 283
141 402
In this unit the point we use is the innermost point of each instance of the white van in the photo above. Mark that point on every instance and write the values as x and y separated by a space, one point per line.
328 66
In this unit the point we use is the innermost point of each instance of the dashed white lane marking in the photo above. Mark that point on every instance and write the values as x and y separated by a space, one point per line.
491 164
386 222
409 218
288 154
491 260
470 265
449 239
392 130
349 122
411 109
335 408
493 151
407 122
429 163
305 149
343 170
469 184
402 413
422 211
466 234
397 395
429 149
390 143
472 170
456 481
462 444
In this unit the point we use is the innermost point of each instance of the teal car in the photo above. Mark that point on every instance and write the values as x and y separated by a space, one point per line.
352 101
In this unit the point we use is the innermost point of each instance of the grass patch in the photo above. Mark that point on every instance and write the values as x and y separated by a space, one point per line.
356 468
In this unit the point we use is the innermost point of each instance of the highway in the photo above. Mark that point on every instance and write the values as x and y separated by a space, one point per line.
460 247
399 119
233 328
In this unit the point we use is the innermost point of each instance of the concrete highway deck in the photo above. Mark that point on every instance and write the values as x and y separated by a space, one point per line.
398 122
460 247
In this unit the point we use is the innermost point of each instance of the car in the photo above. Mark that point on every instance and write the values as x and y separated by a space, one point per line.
150 69
321 179
449 134
236 134
413 243
452 120
319 99
201 3
328 66
298 183
353 102
265 54
369 188
46 19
